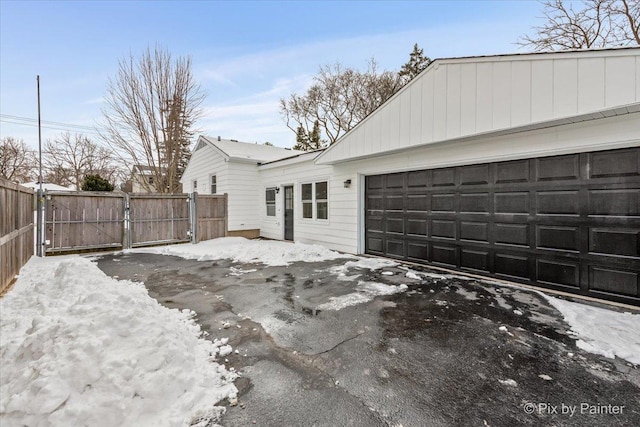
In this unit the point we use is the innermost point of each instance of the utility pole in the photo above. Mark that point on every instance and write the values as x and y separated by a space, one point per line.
40 193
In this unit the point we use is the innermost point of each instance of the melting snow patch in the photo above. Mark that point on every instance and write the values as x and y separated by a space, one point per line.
239 272
80 348
509 382
388 273
243 250
365 291
601 331
545 377
470 295
412 275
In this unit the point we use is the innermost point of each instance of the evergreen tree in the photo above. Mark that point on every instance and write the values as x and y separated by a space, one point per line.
302 140
314 139
417 62
96 183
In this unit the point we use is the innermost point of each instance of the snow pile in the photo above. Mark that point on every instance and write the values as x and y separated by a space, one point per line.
601 331
365 291
239 249
80 348
368 263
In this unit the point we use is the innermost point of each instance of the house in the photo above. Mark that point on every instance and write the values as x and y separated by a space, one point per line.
219 166
143 179
524 167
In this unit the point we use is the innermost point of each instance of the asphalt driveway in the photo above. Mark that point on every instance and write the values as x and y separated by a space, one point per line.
320 344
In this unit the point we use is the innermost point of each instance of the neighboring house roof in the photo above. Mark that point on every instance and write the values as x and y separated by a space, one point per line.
460 98
244 151
46 186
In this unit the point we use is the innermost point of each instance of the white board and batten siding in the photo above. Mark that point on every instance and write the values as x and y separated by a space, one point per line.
461 97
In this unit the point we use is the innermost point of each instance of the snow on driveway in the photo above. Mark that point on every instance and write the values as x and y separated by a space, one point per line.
239 249
602 331
80 348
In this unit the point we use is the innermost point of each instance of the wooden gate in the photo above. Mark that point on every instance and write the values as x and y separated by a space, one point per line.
77 221
158 219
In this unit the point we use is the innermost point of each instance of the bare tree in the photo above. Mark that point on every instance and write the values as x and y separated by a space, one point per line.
338 99
589 24
69 158
17 162
153 104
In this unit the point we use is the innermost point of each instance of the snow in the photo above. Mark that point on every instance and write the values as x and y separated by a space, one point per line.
365 291
80 348
601 331
509 382
239 249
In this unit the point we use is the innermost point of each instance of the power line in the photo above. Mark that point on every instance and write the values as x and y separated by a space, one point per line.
26 121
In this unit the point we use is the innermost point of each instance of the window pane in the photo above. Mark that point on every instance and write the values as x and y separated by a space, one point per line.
306 192
271 210
195 185
307 210
323 210
321 190
214 187
271 195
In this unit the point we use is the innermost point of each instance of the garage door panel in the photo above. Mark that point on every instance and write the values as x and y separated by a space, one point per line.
558 273
444 177
558 203
395 225
567 222
557 238
512 172
417 227
618 202
622 242
615 164
558 168
475 260
614 280
474 202
516 202
512 234
511 265
418 179
417 202
395 180
478 231
418 250
474 175
444 254
395 247
443 202
443 228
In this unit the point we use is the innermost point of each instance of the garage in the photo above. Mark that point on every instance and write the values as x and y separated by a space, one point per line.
569 222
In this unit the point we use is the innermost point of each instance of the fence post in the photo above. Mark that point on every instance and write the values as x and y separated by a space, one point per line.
226 214
193 217
126 234
40 207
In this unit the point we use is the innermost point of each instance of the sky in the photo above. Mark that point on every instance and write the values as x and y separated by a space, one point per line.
246 56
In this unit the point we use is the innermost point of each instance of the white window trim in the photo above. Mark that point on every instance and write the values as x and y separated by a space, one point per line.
211 176
275 203
314 210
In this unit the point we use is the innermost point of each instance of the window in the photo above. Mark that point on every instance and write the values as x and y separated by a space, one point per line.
315 194
271 201
322 206
194 185
214 186
307 201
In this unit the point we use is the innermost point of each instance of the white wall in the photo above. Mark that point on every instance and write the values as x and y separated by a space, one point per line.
236 179
341 231
462 97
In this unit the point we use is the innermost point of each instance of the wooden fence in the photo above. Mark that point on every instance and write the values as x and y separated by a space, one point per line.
211 216
83 221
79 221
16 230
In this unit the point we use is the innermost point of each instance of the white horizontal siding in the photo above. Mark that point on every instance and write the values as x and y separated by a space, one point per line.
243 192
204 163
463 97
